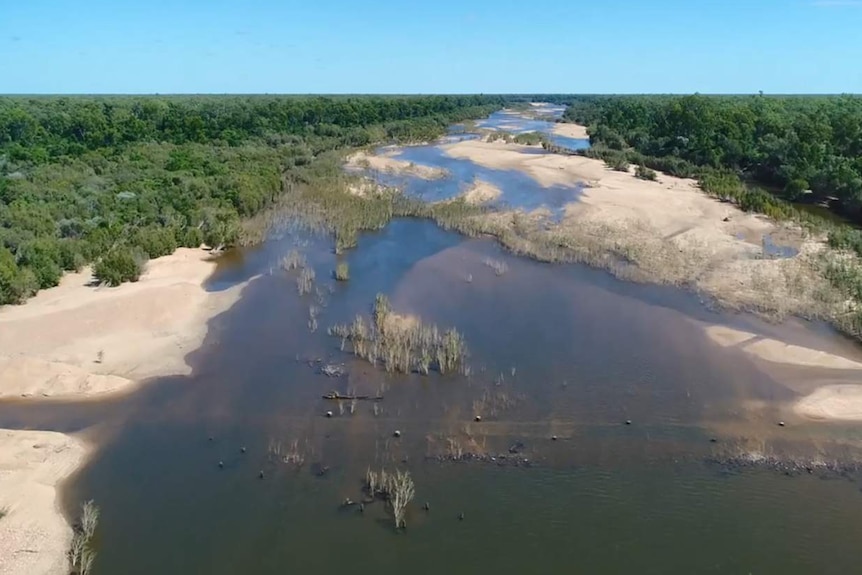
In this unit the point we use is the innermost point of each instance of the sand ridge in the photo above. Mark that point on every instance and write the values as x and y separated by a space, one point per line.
77 340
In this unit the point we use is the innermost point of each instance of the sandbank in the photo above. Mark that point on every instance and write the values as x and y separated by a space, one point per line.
75 341
570 130
832 402
34 535
776 351
670 230
385 162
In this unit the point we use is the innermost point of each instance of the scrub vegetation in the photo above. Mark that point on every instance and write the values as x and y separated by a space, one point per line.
119 180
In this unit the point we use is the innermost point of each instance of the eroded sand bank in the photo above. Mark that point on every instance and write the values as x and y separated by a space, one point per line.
77 341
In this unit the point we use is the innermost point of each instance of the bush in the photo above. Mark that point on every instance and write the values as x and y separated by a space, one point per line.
120 265
342 272
846 238
617 162
645 173
42 256
191 237
16 284
156 242
795 189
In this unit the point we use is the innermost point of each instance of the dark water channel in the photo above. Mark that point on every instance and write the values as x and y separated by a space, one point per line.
556 351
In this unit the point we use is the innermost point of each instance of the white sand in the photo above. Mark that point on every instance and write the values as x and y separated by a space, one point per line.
571 130
34 535
385 162
51 346
671 206
482 192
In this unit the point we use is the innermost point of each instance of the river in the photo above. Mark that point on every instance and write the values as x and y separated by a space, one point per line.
607 422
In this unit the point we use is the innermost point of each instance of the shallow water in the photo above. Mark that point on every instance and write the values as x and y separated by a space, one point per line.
556 351
518 190
515 123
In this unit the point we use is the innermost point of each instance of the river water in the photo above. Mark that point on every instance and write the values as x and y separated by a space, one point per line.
553 480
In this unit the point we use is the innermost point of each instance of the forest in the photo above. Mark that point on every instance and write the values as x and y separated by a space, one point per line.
115 181
804 148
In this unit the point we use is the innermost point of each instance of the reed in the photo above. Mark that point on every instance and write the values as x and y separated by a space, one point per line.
499 266
342 271
402 344
305 281
293 260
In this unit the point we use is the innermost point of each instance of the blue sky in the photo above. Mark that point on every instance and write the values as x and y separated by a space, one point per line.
385 46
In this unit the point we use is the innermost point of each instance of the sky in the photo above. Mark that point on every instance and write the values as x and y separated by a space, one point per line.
430 46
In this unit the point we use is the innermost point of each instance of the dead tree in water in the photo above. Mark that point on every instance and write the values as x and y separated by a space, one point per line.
397 489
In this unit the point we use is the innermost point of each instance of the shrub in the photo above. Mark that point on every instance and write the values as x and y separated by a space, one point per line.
846 238
617 162
191 237
156 242
645 173
16 284
342 272
795 189
120 265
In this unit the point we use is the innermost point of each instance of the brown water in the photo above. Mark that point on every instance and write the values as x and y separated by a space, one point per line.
588 353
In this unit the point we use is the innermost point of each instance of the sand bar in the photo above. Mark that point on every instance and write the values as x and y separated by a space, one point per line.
386 162
74 341
570 130
832 403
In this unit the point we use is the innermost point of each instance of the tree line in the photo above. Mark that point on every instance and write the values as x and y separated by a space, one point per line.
117 180
807 148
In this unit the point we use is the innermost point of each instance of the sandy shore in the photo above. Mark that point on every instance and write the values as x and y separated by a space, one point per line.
671 231
34 535
386 162
76 340
571 130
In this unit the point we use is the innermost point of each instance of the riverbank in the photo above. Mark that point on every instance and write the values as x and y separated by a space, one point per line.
668 231
79 341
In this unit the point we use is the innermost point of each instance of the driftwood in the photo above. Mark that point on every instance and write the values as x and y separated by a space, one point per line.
338 396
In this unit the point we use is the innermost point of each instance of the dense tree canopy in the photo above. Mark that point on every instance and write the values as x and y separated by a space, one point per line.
118 179
788 143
